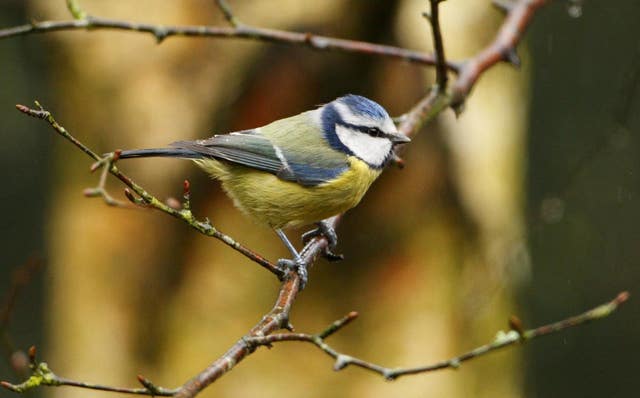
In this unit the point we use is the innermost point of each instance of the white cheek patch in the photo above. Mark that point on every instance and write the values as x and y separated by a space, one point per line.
373 150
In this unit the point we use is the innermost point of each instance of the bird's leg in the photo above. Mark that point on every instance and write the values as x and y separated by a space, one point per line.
328 232
297 263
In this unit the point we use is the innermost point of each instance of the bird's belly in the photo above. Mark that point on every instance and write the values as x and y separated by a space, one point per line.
278 203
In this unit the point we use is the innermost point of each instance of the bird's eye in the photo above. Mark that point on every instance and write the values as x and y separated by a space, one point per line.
375 132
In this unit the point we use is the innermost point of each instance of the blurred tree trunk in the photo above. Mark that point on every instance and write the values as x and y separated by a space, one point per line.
584 185
432 253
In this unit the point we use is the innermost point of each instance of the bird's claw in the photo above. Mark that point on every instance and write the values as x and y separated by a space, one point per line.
298 266
331 256
324 229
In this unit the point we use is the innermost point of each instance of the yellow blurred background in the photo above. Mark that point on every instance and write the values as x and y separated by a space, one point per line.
436 255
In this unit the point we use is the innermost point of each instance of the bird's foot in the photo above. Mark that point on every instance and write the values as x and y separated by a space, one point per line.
297 265
324 229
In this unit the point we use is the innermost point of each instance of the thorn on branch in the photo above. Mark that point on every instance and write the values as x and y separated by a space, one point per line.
228 13
75 10
342 361
160 33
100 191
503 5
146 383
286 324
135 200
389 375
458 108
511 56
337 325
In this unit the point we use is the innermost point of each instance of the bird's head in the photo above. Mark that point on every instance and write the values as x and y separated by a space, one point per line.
360 127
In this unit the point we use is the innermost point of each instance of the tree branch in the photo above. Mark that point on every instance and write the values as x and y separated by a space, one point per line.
184 214
240 31
278 318
503 48
41 375
438 45
228 14
502 340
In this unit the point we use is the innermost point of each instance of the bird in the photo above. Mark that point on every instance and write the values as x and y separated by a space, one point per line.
297 170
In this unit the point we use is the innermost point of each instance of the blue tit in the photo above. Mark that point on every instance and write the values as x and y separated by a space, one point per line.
298 170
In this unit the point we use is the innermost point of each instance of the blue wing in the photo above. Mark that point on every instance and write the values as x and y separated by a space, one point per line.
251 149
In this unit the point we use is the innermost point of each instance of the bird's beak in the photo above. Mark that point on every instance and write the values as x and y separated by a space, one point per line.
398 138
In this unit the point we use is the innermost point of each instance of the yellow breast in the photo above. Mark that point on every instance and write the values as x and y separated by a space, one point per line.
277 203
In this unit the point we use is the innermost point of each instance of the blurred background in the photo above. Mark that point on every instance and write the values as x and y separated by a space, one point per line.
527 204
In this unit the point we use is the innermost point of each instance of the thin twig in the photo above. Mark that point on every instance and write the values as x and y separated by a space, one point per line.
502 340
100 190
41 375
228 14
241 31
185 215
427 108
277 318
503 48
438 45
75 9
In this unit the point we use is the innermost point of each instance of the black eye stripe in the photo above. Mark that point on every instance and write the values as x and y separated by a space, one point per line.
371 131
375 132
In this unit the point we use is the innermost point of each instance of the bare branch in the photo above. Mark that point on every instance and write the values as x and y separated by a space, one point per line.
185 215
438 45
502 340
316 42
101 190
75 10
277 318
503 5
41 375
228 14
519 15
503 48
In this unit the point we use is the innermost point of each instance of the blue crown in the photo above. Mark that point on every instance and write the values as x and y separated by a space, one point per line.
363 106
